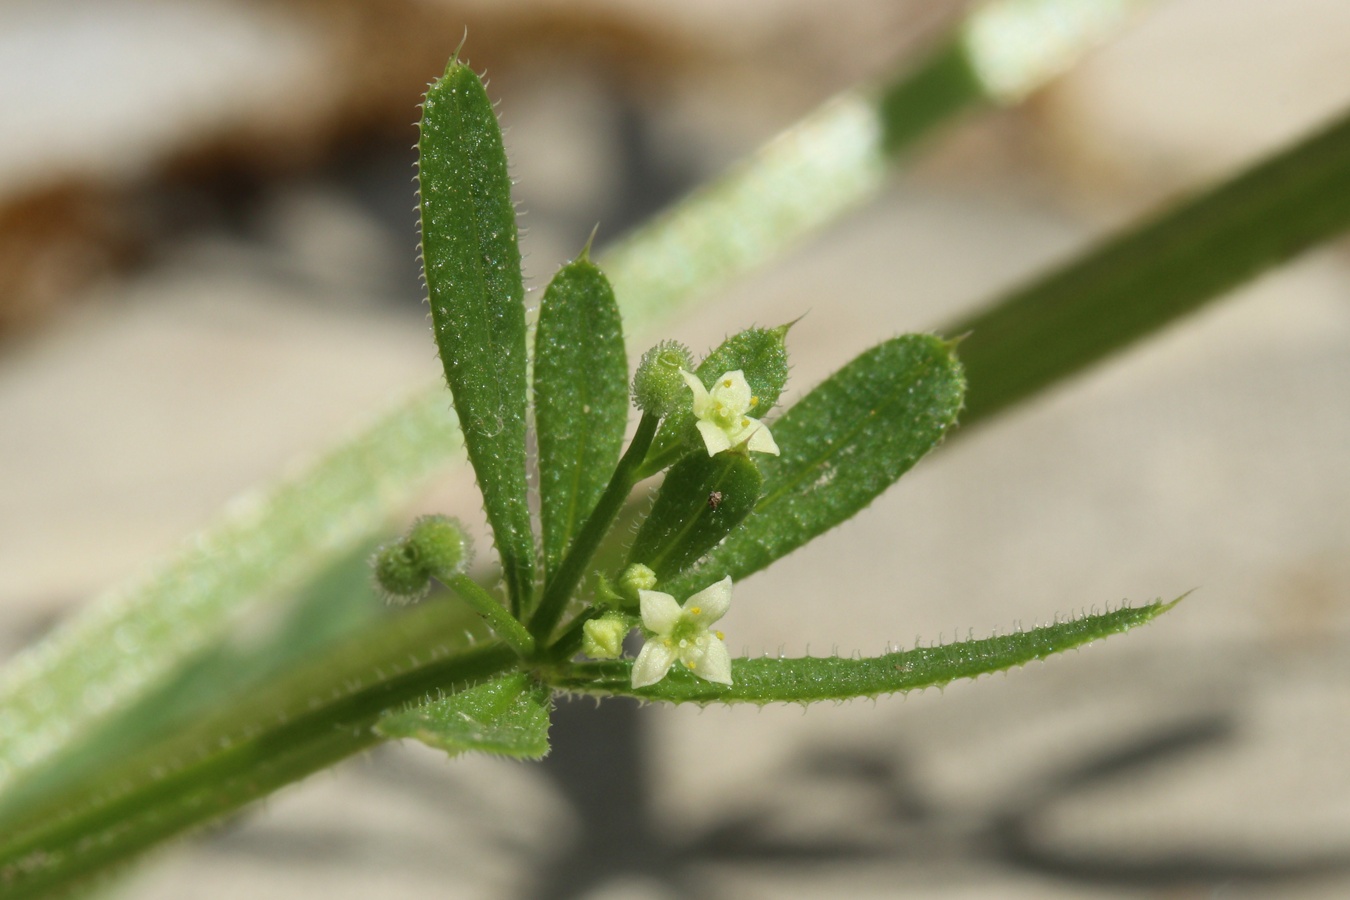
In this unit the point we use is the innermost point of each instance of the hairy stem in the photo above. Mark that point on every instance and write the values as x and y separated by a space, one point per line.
64 851
558 591
497 617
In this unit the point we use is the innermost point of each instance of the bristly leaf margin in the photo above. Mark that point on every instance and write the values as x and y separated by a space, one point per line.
471 262
812 679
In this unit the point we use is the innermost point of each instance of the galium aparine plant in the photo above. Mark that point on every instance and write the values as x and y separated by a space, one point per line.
743 484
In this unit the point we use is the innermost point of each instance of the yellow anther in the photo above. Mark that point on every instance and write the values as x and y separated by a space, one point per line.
726 382
696 610
720 635
754 401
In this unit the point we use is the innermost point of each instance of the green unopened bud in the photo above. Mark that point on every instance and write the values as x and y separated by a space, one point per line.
637 577
435 547
602 638
657 386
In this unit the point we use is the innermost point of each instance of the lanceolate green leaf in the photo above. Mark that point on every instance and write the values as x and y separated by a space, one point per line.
842 444
581 400
1156 272
507 716
809 679
761 353
472 265
702 499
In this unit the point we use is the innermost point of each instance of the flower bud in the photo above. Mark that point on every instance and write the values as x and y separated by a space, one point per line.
657 386
602 638
636 577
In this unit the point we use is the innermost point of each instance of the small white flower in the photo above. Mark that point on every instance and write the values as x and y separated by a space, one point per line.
722 418
681 633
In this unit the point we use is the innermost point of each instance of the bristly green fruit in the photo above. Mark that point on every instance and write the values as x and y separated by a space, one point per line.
657 385
399 574
471 262
580 397
435 547
441 543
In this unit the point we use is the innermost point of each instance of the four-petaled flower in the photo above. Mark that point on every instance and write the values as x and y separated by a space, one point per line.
722 418
681 633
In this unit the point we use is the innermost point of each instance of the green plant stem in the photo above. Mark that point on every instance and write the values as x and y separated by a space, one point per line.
838 157
558 591
63 853
937 90
497 617
1154 273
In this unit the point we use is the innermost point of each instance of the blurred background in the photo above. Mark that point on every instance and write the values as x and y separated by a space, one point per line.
207 273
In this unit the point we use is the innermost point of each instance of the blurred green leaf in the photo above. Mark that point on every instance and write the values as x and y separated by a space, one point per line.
133 640
1155 272
276 734
331 608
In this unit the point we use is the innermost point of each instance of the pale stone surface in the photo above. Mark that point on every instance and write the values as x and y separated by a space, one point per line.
1199 86
104 89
